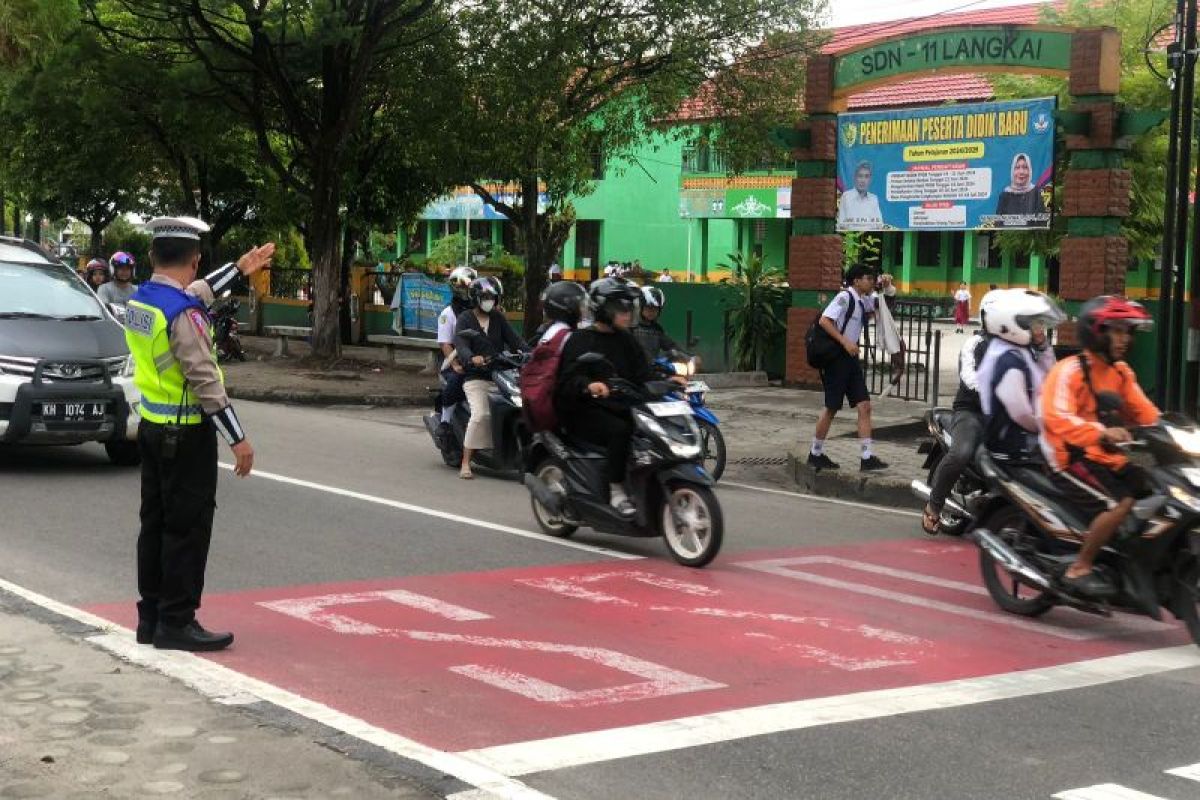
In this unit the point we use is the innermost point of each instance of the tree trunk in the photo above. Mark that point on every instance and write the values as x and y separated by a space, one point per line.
18 227
535 230
3 214
324 240
97 240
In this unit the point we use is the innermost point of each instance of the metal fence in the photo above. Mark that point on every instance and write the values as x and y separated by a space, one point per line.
290 283
916 378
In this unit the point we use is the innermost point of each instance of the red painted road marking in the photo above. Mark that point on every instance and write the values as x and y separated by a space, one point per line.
477 660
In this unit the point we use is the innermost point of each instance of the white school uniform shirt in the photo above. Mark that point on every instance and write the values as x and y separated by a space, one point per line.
445 332
836 309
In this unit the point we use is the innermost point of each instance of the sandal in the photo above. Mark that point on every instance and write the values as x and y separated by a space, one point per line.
466 474
930 522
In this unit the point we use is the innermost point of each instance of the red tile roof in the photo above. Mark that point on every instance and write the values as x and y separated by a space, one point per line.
919 91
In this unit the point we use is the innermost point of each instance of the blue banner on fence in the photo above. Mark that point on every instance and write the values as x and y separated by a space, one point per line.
420 300
964 167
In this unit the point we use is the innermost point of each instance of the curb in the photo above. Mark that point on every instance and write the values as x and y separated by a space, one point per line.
734 380
874 488
310 398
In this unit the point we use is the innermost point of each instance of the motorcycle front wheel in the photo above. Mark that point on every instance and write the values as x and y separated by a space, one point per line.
691 523
713 443
1009 524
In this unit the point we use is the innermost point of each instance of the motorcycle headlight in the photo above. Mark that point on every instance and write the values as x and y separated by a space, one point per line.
1186 498
685 368
679 448
1188 440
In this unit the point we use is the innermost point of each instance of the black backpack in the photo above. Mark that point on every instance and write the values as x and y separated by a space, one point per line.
819 346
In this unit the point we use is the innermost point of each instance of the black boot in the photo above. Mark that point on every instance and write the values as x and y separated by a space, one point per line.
191 637
145 630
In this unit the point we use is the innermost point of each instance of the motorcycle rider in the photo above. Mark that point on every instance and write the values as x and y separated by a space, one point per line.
564 303
452 371
582 399
96 274
966 427
496 334
121 288
1080 434
649 333
1013 369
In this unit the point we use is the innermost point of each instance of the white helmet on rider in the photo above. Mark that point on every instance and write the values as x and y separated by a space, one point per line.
460 280
1011 314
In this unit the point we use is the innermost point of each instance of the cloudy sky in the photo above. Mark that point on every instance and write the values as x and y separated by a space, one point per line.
851 12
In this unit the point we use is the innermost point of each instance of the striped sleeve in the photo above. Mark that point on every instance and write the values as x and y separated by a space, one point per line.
1060 412
223 279
228 425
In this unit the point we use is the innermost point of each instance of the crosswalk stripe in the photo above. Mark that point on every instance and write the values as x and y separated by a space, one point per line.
1106 791
1192 773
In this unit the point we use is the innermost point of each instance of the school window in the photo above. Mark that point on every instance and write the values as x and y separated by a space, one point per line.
995 259
598 163
1021 260
957 243
891 249
929 249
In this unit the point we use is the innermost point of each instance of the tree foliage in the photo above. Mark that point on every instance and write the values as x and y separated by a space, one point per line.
1137 20
553 88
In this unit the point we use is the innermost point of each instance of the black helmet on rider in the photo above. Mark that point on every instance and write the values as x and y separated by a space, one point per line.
485 287
610 296
565 302
1101 314
653 297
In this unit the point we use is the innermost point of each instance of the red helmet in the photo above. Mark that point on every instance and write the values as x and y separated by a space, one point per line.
1106 311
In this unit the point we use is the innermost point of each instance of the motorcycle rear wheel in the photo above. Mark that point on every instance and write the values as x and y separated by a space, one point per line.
714 449
550 472
1008 592
691 523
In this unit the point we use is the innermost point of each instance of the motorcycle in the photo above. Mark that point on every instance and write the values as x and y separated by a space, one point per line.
712 441
225 332
1031 534
961 510
510 435
667 482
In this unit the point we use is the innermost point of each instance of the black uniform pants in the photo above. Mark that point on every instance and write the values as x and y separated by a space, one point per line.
179 496
608 429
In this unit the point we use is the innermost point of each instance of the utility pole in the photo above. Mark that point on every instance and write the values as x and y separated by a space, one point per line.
1173 337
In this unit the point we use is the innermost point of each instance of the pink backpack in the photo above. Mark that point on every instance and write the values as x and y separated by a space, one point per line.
538 379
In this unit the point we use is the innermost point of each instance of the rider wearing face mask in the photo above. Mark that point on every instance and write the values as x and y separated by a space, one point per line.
474 352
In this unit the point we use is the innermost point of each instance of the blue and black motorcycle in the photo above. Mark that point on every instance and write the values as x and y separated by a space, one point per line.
694 393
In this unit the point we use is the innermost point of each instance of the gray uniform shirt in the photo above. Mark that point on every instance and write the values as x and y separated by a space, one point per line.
112 292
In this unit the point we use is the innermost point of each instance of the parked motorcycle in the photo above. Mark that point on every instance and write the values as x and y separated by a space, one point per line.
711 439
1030 534
667 482
225 331
960 512
510 435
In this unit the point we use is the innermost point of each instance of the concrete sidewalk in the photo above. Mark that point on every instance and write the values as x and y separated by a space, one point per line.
77 722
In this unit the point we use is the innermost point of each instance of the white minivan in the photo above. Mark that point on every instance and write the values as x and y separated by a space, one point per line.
66 376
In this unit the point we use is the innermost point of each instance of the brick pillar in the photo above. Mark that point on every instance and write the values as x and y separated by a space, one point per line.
1094 255
815 249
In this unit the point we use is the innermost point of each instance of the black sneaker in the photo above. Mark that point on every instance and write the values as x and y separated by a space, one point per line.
871 464
821 462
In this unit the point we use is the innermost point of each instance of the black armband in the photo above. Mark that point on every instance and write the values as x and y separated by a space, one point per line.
227 423
224 278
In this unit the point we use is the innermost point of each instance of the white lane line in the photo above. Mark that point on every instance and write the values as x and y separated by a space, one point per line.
1106 791
228 686
433 512
820 499
1191 773
524 758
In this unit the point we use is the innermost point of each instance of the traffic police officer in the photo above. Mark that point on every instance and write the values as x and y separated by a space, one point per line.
183 406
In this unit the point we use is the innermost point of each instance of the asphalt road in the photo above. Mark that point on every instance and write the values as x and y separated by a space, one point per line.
349 501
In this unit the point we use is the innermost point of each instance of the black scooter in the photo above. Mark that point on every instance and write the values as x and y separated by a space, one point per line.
510 435
1031 534
666 480
225 332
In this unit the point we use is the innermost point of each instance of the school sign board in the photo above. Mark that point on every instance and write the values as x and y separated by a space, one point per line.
964 167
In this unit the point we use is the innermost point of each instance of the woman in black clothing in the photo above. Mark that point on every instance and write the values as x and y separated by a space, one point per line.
582 398
474 352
